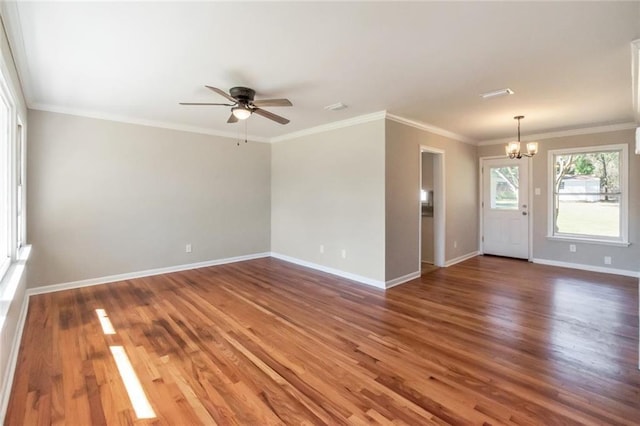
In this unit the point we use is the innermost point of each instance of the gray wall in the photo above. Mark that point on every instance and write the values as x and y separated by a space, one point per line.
623 258
328 189
108 198
427 235
403 197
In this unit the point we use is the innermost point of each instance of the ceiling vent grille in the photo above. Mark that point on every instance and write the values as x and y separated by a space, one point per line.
496 93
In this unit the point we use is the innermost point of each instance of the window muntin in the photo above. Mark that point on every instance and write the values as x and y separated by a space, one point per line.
588 193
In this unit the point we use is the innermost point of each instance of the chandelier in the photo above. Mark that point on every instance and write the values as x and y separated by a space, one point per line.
513 148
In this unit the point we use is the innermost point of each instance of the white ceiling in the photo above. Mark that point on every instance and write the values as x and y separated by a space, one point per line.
569 63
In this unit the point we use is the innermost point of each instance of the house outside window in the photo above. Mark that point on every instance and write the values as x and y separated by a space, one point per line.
588 188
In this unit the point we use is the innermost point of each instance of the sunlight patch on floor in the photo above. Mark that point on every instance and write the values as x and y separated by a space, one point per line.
132 384
105 322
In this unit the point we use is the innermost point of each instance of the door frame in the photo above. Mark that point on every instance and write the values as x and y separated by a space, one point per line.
481 161
439 218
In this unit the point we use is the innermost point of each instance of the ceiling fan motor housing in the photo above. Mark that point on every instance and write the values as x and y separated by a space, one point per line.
244 95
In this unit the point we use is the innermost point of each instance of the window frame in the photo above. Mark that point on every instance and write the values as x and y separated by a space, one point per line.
623 239
7 180
20 158
15 133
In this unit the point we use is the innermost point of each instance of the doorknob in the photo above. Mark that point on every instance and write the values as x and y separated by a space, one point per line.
524 213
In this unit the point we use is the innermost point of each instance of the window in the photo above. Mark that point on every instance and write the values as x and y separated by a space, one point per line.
12 174
5 185
588 188
21 172
504 187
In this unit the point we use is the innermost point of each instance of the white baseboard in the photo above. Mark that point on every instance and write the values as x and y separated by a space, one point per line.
401 280
591 268
141 274
332 271
461 258
7 383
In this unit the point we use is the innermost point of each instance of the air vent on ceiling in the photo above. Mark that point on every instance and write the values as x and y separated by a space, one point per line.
496 93
336 107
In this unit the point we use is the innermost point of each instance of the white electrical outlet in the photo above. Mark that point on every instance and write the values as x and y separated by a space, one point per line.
536 191
187 248
344 253
455 244
607 260
321 248
572 248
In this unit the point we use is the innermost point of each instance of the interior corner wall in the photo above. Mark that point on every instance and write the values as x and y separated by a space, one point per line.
108 198
402 177
328 190
624 258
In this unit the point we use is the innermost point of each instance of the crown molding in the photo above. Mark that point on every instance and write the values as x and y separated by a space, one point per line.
372 117
327 127
331 126
142 122
432 129
563 133
13 32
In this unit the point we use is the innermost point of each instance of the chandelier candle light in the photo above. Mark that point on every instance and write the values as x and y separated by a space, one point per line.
513 148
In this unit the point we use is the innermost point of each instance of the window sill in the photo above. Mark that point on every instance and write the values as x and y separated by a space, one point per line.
589 241
9 284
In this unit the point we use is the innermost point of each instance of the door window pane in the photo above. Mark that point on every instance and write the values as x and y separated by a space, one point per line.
504 187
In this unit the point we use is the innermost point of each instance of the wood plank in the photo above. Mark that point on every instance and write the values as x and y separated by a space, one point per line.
487 341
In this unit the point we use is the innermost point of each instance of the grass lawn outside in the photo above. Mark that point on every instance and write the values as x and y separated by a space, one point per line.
579 217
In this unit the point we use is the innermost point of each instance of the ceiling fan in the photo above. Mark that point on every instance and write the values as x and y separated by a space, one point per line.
243 104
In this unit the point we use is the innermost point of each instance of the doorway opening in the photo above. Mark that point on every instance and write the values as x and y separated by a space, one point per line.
432 208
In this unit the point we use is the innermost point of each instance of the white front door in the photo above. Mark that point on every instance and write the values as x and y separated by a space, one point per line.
505 207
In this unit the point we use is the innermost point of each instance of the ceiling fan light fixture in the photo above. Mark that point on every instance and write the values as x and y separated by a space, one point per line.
241 112
243 104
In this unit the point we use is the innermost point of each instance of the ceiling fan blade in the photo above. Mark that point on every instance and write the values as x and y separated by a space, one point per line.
203 103
232 119
221 93
270 116
272 102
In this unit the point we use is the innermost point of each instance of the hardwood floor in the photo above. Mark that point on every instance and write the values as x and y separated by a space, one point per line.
487 341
